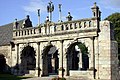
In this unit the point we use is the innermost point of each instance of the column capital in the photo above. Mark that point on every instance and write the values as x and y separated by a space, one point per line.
61 41
17 44
92 38
38 43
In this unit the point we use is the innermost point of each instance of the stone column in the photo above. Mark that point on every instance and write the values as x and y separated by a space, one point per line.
65 62
91 54
64 59
16 71
20 52
38 60
53 64
93 57
61 59
80 60
11 55
41 60
17 53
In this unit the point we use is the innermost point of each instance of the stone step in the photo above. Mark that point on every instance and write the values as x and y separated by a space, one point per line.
77 78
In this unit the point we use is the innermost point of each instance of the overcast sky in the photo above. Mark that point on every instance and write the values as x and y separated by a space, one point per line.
11 9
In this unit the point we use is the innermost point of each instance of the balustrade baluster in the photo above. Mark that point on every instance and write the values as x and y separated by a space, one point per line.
28 32
34 31
62 27
80 25
70 25
75 26
22 32
16 33
25 32
31 31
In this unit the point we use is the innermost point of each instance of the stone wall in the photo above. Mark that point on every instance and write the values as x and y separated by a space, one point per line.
5 50
106 53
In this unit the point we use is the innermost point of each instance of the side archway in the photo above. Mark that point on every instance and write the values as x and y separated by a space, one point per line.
50 60
28 60
77 57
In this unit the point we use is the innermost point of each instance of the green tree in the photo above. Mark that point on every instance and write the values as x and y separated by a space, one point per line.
115 19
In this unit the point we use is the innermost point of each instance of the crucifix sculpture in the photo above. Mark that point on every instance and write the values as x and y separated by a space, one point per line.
50 9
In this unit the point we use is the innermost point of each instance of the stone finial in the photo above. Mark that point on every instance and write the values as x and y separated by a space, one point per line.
60 14
15 20
69 17
96 11
95 4
50 9
38 12
59 5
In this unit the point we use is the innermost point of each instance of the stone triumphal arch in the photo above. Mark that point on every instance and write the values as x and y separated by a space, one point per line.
84 47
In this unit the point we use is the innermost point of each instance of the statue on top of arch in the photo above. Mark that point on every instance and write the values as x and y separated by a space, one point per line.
27 23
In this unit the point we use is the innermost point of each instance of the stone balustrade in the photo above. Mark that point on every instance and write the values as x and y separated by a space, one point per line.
53 28
26 31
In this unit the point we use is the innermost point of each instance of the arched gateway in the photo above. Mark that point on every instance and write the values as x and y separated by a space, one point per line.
50 60
28 60
77 57
84 47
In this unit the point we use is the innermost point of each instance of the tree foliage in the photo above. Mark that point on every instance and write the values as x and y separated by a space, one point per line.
115 19
83 48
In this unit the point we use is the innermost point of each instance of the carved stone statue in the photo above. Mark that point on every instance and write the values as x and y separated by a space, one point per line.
27 23
15 24
69 17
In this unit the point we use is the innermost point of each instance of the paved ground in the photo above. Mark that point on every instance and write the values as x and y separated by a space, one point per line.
50 77
39 78
42 78
53 76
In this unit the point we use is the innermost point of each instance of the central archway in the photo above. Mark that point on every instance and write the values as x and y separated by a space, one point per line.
77 57
28 61
50 60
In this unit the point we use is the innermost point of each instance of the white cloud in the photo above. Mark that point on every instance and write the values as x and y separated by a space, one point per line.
111 4
34 5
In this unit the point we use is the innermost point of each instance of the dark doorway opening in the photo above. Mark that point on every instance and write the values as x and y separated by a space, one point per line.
50 61
77 57
2 63
28 61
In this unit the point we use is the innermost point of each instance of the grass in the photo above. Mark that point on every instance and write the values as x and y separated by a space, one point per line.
5 76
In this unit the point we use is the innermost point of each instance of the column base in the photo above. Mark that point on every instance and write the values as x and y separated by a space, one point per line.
61 72
38 72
